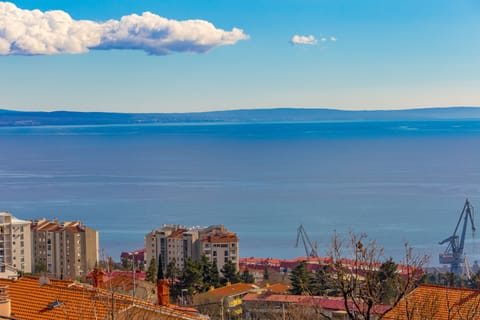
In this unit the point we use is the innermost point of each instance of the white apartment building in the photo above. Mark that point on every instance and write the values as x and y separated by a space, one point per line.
15 243
220 248
179 243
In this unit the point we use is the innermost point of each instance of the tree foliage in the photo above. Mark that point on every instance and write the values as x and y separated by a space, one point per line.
151 274
364 279
266 274
247 277
300 280
230 273
211 277
358 272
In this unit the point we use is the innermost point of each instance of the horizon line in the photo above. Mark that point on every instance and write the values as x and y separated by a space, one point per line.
420 108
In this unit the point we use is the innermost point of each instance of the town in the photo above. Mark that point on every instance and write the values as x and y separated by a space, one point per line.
197 273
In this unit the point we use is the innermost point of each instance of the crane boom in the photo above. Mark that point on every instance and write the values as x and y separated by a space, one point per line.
310 248
453 254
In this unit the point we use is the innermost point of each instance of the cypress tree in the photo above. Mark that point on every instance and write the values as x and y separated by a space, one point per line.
160 275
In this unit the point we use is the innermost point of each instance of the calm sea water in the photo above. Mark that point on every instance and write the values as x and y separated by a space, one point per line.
396 181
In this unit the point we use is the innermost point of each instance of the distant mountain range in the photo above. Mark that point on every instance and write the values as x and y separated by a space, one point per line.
22 118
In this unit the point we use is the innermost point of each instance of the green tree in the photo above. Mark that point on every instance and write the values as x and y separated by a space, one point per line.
300 279
319 282
151 274
40 267
247 277
173 272
388 278
126 264
230 273
266 274
211 277
192 277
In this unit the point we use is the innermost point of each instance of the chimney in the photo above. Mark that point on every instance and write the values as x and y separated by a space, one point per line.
98 277
5 303
163 289
163 292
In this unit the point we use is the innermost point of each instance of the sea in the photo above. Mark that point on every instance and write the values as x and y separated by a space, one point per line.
396 181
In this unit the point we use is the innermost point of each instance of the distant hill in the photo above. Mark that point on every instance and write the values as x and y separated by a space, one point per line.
21 118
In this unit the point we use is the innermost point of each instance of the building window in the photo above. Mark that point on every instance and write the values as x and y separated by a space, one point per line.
214 253
225 253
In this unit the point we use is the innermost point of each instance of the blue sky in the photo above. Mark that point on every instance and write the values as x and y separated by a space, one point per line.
366 54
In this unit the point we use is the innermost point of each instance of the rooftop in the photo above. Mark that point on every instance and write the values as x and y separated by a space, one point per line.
177 234
224 237
61 299
439 303
46 225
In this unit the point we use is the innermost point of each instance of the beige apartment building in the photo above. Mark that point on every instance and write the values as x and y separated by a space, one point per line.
15 249
175 242
67 250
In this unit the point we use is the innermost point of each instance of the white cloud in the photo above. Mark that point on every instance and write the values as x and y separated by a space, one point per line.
33 32
310 40
333 39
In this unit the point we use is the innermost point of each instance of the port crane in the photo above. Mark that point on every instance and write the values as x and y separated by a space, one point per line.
453 254
310 248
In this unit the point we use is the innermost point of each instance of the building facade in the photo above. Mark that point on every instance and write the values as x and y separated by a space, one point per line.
15 248
67 250
178 243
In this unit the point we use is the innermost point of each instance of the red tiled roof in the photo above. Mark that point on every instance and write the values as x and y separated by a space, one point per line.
233 289
273 298
439 303
225 237
30 301
311 263
177 234
328 303
45 225
278 288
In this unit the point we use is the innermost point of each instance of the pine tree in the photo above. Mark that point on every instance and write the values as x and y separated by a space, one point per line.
387 275
152 271
300 279
173 272
319 283
266 274
247 277
192 277
211 278
230 273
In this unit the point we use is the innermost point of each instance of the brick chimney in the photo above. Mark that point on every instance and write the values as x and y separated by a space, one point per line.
163 289
163 292
98 277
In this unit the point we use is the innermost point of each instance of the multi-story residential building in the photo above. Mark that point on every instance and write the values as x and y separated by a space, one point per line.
220 248
67 250
15 249
174 242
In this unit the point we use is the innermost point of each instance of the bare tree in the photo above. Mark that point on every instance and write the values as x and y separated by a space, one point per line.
356 278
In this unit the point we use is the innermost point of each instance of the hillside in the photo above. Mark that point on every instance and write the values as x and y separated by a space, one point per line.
20 118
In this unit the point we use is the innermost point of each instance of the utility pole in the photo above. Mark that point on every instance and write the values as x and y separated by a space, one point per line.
133 272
